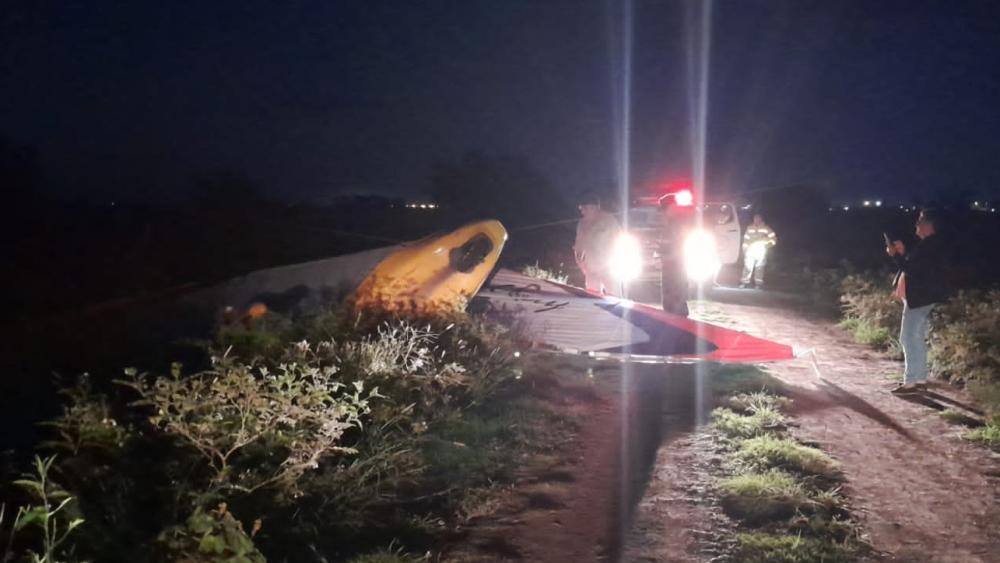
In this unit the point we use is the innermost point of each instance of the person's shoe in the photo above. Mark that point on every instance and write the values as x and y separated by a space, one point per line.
743 286
909 388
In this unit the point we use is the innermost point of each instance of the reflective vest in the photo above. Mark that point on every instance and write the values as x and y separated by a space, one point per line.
759 233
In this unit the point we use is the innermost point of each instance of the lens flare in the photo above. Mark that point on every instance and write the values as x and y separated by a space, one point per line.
626 258
701 259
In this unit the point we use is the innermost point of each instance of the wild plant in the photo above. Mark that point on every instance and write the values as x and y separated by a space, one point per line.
252 425
48 516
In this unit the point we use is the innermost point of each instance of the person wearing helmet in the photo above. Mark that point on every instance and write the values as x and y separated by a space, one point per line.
595 237
757 241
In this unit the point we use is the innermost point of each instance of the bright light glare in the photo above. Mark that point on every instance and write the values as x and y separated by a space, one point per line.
684 198
757 250
701 260
626 258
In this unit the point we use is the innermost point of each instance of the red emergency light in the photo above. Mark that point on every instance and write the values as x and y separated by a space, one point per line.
681 198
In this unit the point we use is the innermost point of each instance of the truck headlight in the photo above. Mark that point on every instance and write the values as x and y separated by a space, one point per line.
701 260
626 258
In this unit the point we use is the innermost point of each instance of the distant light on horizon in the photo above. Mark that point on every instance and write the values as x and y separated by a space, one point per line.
422 205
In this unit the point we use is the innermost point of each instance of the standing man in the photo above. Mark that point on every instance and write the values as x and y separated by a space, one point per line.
673 279
757 240
595 236
920 284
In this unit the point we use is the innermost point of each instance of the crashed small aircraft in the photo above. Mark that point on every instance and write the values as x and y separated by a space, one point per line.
451 271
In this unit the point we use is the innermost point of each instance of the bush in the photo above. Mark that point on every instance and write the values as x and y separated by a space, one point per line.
871 313
376 430
821 286
212 536
256 427
965 340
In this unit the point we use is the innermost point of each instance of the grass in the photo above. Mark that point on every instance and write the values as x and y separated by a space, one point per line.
953 416
764 452
536 271
833 527
774 483
735 379
758 400
391 554
478 444
986 393
482 501
988 435
869 333
756 498
768 548
735 426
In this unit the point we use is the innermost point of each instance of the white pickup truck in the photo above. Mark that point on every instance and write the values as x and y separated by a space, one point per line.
711 238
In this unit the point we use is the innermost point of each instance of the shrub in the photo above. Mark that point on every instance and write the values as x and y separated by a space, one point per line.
212 536
965 340
377 430
871 313
86 422
255 427
821 286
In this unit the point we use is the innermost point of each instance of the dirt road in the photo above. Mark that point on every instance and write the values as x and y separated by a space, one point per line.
633 483
921 491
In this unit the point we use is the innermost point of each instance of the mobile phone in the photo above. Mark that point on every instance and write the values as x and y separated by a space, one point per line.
888 241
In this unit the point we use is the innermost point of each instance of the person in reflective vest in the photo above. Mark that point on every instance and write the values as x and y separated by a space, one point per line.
595 238
757 241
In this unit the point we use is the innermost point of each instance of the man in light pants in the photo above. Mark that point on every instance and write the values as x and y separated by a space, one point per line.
920 284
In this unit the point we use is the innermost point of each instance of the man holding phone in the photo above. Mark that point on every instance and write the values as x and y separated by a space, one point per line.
920 284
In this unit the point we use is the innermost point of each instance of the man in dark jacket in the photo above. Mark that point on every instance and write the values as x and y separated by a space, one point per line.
920 283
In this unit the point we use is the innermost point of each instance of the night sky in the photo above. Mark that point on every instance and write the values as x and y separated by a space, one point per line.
132 99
